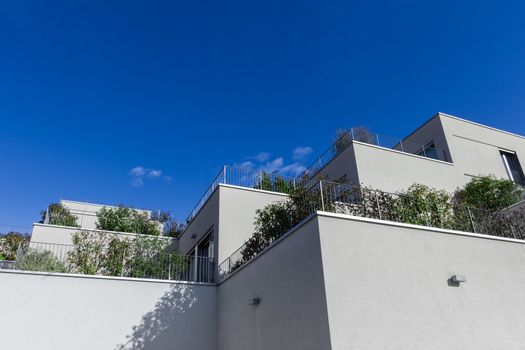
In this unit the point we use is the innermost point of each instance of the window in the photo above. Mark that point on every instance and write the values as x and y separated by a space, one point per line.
429 151
512 165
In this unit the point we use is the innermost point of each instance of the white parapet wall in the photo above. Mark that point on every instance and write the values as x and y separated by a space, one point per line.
56 234
62 312
340 282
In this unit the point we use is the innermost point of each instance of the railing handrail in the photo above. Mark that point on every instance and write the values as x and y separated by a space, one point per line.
234 175
349 137
162 265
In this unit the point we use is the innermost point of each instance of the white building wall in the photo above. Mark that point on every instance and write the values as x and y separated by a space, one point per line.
386 287
52 312
291 315
238 208
475 148
56 234
392 171
229 213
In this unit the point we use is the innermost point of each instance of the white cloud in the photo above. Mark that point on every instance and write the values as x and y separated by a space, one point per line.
139 174
292 169
301 152
248 165
154 173
273 166
137 182
262 157
137 171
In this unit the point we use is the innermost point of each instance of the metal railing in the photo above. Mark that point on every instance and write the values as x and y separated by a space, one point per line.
51 257
365 136
238 176
369 203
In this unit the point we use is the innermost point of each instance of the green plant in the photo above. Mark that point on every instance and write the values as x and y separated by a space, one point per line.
44 261
59 215
488 192
97 253
422 205
277 183
10 243
124 219
89 252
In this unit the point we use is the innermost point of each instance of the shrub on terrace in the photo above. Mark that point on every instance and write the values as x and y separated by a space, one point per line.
10 242
488 192
419 205
43 261
59 215
98 253
124 219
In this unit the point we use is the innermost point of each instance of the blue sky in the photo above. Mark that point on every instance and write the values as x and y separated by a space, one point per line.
142 102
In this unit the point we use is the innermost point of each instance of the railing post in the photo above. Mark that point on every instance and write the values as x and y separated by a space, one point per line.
224 175
471 220
378 206
260 180
352 133
169 266
401 145
322 194
511 226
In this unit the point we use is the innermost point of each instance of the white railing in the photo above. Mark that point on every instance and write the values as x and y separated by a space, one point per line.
102 261
238 176
365 136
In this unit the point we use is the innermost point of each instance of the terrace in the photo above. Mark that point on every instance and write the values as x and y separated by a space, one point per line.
236 176
368 203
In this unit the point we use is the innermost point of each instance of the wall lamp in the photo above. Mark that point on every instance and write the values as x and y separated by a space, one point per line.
255 301
456 280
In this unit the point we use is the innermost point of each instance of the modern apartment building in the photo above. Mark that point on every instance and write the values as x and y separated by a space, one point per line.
445 153
348 276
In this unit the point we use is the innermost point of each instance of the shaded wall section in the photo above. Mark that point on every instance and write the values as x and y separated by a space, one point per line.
53 312
288 279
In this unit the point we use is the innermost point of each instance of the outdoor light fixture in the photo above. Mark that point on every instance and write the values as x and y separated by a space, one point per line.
255 301
459 278
456 280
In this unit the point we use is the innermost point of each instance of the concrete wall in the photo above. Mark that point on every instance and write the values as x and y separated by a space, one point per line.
386 287
56 234
391 170
237 214
288 279
230 212
431 131
206 219
342 166
475 148
51 312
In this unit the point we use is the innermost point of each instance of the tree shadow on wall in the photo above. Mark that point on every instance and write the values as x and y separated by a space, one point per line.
167 324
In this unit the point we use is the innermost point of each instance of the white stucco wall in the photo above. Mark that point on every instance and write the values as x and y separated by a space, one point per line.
230 212
237 215
475 148
392 171
291 315
52 312
56 234
386 288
